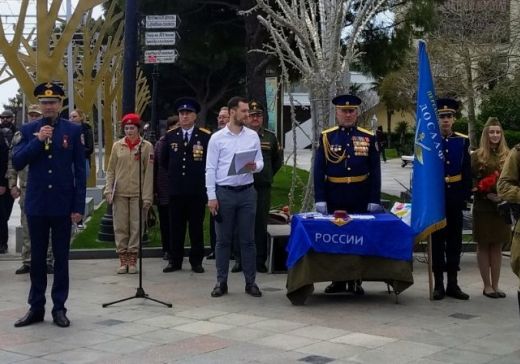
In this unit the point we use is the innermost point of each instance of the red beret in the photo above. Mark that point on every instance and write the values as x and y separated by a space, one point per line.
131 119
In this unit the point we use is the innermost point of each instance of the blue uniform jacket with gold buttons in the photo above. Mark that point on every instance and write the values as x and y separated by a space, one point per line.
186 165
56 182
347 169
457 169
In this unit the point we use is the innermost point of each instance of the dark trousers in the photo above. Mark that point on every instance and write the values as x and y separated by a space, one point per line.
164 224
382 151
263 205
39 229
190 211
6 207
447 243
238 210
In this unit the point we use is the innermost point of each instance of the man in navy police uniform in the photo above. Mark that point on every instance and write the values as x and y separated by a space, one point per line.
347 171
55 198
447 242
184 156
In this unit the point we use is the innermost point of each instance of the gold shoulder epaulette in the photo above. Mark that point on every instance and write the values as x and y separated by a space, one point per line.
330 129
461 135
205 130
365 131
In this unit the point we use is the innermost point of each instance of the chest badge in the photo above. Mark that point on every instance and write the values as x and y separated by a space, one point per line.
65 142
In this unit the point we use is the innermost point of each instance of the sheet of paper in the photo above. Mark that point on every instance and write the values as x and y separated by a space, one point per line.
240 159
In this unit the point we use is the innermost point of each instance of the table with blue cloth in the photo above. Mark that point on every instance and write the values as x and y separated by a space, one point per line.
375 247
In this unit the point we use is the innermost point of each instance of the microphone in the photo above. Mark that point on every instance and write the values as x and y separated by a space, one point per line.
48 141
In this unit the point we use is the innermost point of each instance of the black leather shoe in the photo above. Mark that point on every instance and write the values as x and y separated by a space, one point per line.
236 268
24 269
211 256
336 287
253 290
438 293
50 269
261 268
171 268
60 319
456 292
197 269
31 317
219 290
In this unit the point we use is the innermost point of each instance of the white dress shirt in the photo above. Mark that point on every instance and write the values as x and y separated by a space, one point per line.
189 132
221 148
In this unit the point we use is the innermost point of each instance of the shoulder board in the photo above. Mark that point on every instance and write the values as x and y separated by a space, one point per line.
365 131
204 130
461 135
330 129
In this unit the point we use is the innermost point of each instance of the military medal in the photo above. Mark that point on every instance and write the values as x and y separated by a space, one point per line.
65 143
174 146
198 151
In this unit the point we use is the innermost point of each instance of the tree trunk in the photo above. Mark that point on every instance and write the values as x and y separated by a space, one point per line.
471 102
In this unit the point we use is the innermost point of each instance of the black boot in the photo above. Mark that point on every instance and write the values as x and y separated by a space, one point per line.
336 287
453 290
438 289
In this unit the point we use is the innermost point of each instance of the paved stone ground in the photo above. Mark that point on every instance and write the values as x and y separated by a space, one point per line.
238 328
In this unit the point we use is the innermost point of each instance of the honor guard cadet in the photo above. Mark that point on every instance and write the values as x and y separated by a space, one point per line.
52 148
184 156
447 242
347 171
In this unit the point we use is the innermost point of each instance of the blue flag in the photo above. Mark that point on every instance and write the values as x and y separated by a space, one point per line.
428 210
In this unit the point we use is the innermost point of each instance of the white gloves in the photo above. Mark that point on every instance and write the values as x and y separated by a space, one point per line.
321 207
374 207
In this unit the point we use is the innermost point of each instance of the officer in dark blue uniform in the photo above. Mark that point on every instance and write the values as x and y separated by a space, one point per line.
55 198
347 171
447 242
184 156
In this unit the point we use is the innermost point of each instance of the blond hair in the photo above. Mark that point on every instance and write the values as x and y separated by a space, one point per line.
485 151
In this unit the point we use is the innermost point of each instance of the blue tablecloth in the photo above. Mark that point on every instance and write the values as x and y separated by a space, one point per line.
385 236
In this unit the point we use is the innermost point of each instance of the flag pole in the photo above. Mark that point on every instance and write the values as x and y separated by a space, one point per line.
430 273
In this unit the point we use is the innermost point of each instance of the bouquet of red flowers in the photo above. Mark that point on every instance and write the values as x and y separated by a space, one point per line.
486 184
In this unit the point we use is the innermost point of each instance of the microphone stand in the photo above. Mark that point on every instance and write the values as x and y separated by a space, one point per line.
140 293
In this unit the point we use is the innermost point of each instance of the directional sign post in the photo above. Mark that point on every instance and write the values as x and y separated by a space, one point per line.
160 56
160 38
171 21
160 31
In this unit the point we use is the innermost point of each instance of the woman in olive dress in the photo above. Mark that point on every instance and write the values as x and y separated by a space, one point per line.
490 229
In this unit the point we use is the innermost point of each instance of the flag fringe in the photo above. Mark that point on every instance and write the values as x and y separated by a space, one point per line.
429 230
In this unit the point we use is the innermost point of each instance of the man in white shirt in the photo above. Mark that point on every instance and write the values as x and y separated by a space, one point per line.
231 195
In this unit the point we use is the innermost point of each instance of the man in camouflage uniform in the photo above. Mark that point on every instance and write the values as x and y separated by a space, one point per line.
273 159
508 188
17 182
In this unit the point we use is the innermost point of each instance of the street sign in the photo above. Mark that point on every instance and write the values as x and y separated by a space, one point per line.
160 56
162 21
160 38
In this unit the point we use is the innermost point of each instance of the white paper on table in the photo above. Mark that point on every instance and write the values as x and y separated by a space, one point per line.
240 159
